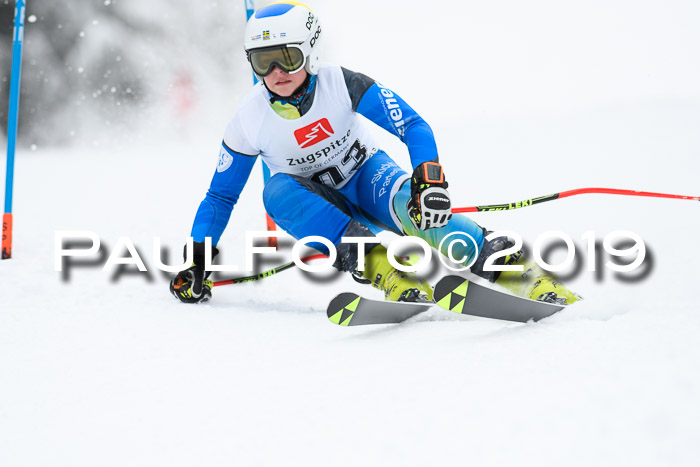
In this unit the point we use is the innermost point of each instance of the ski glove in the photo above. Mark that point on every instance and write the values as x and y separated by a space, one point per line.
429 206
191 285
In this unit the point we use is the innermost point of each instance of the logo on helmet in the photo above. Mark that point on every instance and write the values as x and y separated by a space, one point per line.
313 39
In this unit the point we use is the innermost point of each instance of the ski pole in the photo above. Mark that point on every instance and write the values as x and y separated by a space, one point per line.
264 274
565 194
271 272
490 207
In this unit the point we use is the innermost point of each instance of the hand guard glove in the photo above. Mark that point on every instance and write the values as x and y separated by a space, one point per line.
429 206
191 285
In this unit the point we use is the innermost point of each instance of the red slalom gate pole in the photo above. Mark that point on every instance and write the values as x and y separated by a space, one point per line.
566 194
271 227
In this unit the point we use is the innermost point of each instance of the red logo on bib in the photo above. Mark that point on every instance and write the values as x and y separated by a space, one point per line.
312 134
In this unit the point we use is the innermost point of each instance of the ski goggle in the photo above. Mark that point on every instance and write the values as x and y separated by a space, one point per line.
289 58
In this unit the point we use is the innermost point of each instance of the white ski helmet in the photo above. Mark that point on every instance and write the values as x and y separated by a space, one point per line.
286 34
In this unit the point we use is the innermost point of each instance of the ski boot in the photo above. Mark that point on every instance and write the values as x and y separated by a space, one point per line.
536 284
398 286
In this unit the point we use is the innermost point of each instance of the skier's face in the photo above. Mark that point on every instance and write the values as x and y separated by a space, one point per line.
282 83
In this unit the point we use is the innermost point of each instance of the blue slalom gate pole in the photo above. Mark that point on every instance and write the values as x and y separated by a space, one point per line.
272 241
12 118
249 10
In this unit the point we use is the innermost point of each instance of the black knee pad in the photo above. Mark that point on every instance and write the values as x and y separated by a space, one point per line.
491 247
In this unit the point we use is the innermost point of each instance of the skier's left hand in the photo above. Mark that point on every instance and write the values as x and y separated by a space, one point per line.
191 285
430 204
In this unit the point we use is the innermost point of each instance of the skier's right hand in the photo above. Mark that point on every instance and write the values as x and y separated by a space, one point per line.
191 285
429 206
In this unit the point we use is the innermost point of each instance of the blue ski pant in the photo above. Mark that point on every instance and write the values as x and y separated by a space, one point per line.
376 196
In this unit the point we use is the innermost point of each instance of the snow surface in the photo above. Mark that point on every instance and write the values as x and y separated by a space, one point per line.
536 98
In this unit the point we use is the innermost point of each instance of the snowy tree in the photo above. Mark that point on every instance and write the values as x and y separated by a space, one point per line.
94 66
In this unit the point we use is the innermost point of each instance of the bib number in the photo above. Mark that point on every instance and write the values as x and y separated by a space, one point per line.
336 174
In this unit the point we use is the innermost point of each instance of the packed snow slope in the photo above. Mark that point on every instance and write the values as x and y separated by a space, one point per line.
99 367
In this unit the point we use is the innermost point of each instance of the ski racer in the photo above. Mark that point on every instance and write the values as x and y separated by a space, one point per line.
330 178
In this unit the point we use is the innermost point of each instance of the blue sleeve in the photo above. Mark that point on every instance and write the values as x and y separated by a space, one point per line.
389 111
229 179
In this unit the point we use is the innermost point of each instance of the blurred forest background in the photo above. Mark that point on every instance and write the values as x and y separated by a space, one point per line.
109 70
95 66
